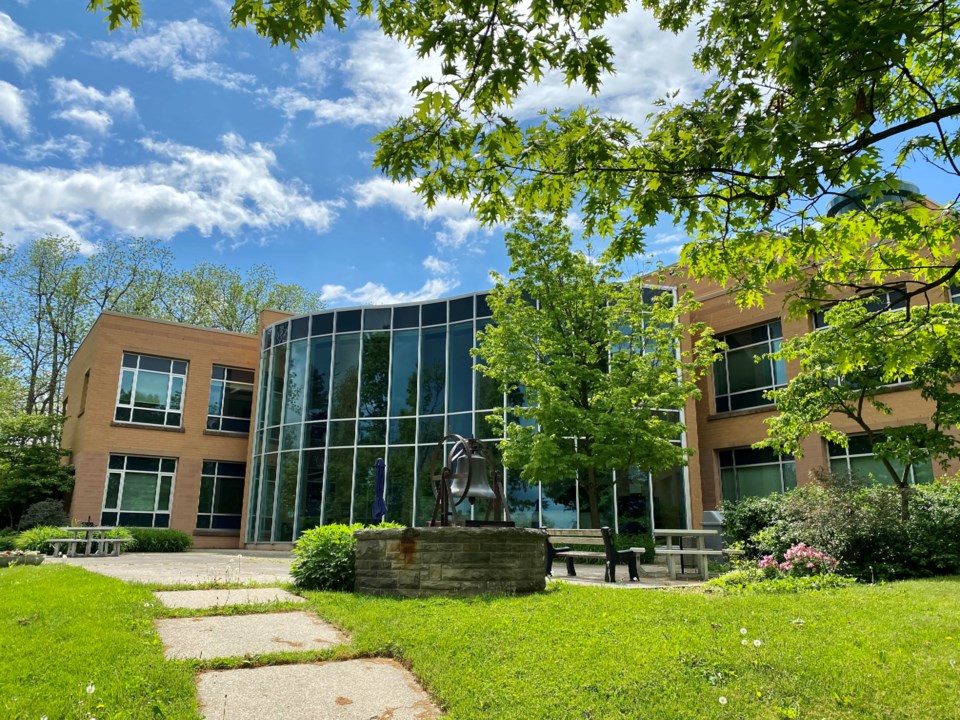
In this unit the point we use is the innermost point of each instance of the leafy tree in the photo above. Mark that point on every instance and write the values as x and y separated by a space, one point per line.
595 358
218 296
30 462
845 369
806 99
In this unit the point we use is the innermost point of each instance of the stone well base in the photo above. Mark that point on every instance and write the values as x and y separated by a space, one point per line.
417 562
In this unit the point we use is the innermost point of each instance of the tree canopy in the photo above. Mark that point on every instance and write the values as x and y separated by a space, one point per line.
591 361
805 99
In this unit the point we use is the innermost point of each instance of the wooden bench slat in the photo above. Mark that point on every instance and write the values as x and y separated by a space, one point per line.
576 541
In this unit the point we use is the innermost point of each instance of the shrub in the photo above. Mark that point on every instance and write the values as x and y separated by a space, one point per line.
325 557
747 517
158 540
45 512
36 538
123 534
622 541
799 560
744 581
8 540
934 529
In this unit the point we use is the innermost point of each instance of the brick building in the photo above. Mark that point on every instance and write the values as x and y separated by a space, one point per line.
250 439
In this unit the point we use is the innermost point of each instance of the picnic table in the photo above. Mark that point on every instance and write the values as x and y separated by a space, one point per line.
91 534
700 553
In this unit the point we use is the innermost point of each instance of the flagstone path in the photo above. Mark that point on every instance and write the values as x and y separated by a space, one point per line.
365 689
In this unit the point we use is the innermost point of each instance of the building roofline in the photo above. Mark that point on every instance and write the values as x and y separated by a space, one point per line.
144 318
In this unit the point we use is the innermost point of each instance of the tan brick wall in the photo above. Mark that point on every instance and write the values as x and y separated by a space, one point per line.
93 435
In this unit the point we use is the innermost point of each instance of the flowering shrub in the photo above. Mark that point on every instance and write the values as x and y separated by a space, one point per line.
799 560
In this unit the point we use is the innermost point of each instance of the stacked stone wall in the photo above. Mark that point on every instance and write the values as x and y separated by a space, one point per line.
417 562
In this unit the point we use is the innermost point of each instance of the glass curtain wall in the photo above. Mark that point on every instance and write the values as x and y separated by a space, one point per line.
340 389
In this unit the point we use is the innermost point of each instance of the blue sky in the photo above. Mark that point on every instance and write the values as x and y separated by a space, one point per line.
236 152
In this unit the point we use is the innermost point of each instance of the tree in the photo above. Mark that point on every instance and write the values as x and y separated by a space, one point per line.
221 297
594 357
846 367
806 99
30 462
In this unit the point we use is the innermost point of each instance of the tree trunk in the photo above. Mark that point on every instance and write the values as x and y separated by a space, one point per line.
593 497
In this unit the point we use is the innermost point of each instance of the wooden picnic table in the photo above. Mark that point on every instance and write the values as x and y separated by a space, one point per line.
700 553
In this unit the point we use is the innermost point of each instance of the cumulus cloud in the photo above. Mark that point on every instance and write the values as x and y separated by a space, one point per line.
436 266
13 108
71 146
230 191
378 72
459 226
376 75
182 48
26 51
377 294
88 106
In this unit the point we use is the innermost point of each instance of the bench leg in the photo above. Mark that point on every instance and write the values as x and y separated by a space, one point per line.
632 567
671 567
702 563
570 570
610 574
56 549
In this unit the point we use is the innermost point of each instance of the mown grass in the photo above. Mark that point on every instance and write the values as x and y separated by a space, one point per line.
64 630
888 652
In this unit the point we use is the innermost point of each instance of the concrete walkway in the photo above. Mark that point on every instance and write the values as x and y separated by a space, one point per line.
195 567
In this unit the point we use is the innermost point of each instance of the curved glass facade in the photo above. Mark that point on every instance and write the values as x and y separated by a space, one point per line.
341 388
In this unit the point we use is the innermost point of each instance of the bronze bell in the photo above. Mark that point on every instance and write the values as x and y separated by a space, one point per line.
472 468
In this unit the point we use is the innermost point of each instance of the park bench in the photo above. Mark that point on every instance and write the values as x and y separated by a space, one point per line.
611 556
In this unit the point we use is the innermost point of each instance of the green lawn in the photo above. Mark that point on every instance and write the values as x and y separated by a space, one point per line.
887 652
64 631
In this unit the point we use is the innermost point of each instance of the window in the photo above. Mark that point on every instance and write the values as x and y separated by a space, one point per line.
858 460
955 294
894 299
745 472
743 374
83 394
139 491
221 495
151 390
231 397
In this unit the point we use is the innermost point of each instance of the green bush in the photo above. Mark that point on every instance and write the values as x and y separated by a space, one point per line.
121 533
36 538
934 529
45 512
325 556
158 540
747 517
622 541
8 540
747 581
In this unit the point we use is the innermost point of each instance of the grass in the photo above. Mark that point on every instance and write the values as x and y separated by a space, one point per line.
889 651
64 630
886 652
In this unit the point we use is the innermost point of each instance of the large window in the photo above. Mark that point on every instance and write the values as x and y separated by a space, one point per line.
151 390
221 495
745 472
858 460
955 294
231 397
139 491
743 374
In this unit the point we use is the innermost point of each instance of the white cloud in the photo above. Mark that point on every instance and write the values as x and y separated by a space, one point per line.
24 50
96 120
71 146
230 191
316 66
377 294
74 92
436 266
88 106
459 224
377 75
184 49
13 108
378 72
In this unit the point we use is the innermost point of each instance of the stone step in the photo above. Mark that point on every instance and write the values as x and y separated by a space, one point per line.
199 599
240 635
348 690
